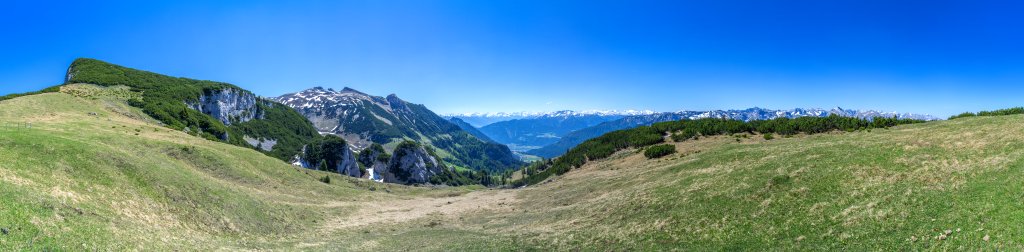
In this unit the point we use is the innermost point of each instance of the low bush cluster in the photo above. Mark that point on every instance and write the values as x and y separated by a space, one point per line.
998 112
660 150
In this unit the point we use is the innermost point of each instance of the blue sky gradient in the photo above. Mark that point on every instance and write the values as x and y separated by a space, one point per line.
934 57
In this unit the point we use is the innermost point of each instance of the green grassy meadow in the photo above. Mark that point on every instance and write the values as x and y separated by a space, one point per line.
93 173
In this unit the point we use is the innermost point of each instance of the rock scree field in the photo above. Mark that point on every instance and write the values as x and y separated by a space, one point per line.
93 173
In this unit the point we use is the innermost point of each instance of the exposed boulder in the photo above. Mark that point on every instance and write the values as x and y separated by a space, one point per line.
260 143
411 163
330 153
375 161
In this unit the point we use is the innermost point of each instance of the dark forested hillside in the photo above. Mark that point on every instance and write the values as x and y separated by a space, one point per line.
470 129
579 136
532 133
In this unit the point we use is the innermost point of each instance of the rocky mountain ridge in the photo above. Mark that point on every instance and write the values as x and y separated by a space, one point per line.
363 120
481 119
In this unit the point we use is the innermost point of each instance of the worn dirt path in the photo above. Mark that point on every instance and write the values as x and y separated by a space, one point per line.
396 211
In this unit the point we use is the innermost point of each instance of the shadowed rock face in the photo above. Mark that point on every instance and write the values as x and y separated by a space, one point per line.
228 105
333 152
348 165
411 163
375 160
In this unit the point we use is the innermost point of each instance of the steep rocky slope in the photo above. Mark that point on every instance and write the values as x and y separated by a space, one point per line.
363 119
470 129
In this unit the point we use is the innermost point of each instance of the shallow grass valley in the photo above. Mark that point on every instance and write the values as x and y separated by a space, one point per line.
92 173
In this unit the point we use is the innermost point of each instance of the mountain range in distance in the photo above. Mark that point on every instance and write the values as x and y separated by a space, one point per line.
549 135
480 119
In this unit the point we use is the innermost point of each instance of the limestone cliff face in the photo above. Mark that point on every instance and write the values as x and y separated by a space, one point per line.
346 166
375 160
228 105
411 163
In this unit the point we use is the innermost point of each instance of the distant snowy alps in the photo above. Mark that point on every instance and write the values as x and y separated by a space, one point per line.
480 119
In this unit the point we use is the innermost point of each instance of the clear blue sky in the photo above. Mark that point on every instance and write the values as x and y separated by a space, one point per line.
937 57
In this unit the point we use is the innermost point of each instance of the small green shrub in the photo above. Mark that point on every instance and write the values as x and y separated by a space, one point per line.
684 135
660 150
326 179
779 180
768 136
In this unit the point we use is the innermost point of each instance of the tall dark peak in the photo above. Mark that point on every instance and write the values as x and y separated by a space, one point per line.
396 103
472 130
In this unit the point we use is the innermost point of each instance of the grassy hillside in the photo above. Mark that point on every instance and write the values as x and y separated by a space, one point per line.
886 189
78 181
164 98
95 173
684 130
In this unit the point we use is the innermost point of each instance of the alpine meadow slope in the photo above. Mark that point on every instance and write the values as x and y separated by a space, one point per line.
214 110
92 173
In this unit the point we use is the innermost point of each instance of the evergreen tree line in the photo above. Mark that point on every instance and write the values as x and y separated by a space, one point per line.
682 130
998 112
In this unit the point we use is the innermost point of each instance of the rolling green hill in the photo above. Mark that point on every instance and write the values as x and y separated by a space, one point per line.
178 102
92 173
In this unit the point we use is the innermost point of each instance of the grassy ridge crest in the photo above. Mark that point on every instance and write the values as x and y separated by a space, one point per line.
164 98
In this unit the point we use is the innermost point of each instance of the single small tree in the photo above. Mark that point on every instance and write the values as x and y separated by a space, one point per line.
322 166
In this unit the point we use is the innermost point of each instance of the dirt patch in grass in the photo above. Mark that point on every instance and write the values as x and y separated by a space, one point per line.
404 210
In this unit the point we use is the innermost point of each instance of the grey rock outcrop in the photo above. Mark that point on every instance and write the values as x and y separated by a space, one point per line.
334 153
375 160
348 165
228 105
411 163
260 143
